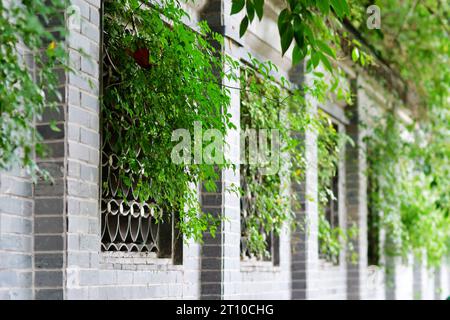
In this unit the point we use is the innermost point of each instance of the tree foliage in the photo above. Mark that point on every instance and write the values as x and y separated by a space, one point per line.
30 52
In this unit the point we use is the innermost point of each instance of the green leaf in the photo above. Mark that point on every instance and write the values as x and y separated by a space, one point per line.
337 6
283 20
309 35
345 6
299 32
243 27
237 6
286 38
53 126
250 10
324 6
355 54
363 60
315 58
326 62
259 8
298 54
325 48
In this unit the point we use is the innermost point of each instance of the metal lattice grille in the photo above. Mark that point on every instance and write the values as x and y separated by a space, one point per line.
127 224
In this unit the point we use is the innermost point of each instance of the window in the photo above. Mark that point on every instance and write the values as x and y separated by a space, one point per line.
128 223
332 207
270 251
262 203
373 218
329 177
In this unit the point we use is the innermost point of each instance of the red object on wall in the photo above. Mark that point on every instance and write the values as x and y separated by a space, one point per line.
142 56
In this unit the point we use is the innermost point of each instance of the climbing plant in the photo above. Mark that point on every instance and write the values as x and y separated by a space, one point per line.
268 105
162 76
410 161
267 102
330 145
412 196
30 52
413 42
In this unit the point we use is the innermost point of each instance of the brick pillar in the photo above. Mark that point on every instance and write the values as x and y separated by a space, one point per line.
16 224
356 190
66 223
304 243
83 154
49 196
220 256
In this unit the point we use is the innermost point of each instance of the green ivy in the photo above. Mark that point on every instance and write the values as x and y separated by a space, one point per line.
330 143
412 193
28 80
172 88
266 103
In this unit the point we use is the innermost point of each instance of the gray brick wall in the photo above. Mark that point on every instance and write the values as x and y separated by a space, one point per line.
16 224
92 274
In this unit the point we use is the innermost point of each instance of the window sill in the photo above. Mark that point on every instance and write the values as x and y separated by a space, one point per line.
258 266
136 261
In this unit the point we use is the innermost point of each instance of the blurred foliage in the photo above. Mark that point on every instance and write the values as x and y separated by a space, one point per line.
30 52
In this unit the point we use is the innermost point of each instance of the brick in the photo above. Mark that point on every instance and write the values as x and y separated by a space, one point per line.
15 261
16 294
48 225
19 207
55 114
74 95
90 138
90 102
15 187
48 243
15 242
77 41
55 149
55 188
89 173
48 279
78 151
49 206
89 277
13 224
89 66
48 133
83 7
94 17
55 169
48 260
87 84
95 3
49 294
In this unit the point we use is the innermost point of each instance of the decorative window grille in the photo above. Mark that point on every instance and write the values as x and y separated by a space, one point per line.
127 223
